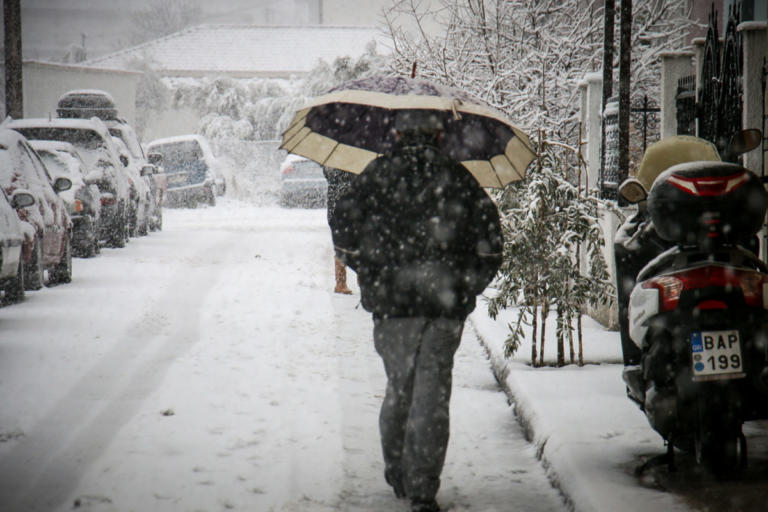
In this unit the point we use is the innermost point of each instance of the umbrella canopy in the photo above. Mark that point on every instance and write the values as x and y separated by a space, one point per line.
353 124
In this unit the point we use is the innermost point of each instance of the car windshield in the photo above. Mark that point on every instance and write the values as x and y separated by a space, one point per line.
79 137
63 162
304 169
180 156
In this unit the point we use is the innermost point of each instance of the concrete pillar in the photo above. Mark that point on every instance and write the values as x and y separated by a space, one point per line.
674 65
755 43
593 135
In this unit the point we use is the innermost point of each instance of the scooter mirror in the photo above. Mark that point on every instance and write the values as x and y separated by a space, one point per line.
633 191
745 140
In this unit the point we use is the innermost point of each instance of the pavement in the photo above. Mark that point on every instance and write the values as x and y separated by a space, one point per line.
590 437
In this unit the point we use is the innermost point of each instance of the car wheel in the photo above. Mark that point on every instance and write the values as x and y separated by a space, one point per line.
62 273
211 197
91 247
14 288
33 271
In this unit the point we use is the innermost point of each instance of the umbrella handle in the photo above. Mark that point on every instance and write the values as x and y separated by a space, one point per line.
454 104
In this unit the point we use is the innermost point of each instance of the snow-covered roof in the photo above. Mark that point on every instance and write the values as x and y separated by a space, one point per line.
245 50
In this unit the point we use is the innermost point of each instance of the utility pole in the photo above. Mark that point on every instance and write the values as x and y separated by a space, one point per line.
625 61
14 98
608 35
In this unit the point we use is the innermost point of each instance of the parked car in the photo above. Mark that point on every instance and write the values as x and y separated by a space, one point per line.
156 179
87 103
47 243
302 183
102 159
83 199
138 179
191 169
11 243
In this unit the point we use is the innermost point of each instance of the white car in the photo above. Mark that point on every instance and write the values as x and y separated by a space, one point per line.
11 243
140 205
302 183
83 199
102 158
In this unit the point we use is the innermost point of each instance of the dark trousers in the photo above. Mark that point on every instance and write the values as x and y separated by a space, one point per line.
414 420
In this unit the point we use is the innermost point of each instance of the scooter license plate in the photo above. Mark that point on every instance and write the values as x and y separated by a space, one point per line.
716 355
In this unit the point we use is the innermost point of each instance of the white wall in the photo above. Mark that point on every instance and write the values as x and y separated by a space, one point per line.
44 83
170 122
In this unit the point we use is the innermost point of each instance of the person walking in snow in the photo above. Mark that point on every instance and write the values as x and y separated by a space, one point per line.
425 240
338 183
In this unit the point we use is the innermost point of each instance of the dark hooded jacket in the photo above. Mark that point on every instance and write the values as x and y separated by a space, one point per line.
422 235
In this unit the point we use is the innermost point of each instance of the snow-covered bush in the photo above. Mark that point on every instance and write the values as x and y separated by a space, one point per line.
225 104
550 230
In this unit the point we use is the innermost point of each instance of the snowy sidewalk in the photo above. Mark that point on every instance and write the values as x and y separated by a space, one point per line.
590 437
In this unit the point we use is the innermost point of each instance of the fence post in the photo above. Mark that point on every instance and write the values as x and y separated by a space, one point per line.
674 65
755 44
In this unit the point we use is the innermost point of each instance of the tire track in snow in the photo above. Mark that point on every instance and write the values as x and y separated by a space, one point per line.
42 470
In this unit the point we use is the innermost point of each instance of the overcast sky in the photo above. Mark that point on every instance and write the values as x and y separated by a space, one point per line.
51 27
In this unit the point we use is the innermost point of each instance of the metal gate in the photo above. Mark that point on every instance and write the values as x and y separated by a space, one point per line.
720 96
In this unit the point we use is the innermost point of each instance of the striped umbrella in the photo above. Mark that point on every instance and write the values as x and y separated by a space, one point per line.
354 123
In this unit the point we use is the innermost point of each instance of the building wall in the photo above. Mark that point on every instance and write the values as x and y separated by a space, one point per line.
170 122
44 83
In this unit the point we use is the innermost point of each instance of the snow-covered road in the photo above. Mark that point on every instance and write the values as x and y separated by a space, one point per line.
208 367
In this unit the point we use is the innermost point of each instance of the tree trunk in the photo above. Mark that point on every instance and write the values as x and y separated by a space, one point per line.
535 326
560 336
14 97
543 337
625 62
570 338
609 19
581 341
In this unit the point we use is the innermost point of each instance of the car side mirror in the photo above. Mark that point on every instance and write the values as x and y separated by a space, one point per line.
22 199
148 170
155 158
62 184
633 191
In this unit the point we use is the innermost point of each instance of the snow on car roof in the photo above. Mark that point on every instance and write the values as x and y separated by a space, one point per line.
93 123
96 92
9 137
201 139
176 138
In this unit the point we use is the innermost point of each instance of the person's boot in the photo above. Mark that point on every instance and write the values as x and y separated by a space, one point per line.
396 482
341 277
422 505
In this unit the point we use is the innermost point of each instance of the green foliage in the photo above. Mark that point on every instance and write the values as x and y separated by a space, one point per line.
550 230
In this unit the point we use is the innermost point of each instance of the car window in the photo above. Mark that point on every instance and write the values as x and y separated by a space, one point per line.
78 137
127 135
53 160
305 169
39 168
179 156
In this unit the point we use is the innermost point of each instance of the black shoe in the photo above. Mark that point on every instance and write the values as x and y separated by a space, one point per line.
430 505
396 482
